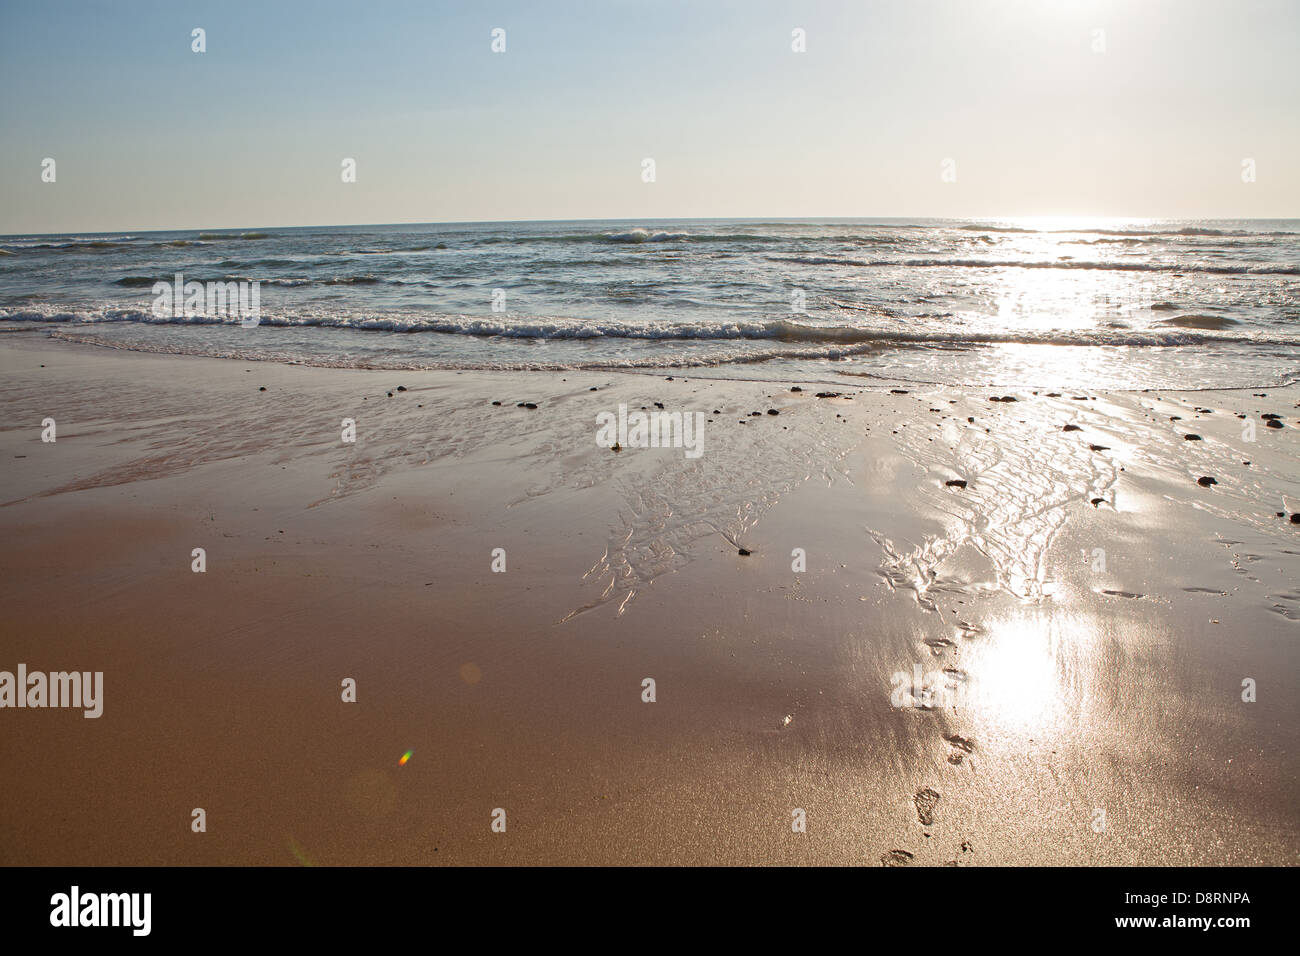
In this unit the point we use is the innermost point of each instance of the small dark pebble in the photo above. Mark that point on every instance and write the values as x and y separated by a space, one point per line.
593 389
898 391
1097 501
795 388
496 403
401 388
773 411
1191 438
262 388
955 483
1098 447
1295 517
1205 481
828 394
1071 428
1269 415
1273 423
745 552
530 404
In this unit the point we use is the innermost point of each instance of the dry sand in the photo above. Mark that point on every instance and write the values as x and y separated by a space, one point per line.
1064 681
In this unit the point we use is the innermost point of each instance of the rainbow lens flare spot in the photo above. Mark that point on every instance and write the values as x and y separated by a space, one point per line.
405 757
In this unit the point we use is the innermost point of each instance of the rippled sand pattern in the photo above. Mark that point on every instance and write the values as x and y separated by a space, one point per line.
1020 477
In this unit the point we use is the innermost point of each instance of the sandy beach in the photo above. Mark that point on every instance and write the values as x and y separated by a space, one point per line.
1074 657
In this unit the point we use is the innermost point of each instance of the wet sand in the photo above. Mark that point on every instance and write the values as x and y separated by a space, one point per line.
1074 658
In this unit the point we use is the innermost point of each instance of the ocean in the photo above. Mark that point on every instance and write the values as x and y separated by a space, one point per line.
1117 304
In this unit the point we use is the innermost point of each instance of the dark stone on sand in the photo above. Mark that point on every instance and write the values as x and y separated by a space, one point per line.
390 394
1273 423
1205 481
1098 447
1279 514
795 388
1191 438
773 411
261 388
592 389
1295 517
744 552
401 388
1269 415
1097 501
1175 418
496 403
828 394
754 414
1053 394
971 420
955 483
659 404
530 404
898 391
1071 428
716 412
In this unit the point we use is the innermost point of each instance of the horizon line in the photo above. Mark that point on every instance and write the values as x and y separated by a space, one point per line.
787 219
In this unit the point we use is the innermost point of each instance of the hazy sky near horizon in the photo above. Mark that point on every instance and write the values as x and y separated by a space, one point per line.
147 134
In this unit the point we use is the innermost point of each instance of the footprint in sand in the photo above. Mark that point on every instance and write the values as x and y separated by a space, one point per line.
926 800
960 748
896 858
937 645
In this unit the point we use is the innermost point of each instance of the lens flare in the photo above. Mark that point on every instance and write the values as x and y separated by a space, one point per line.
405 757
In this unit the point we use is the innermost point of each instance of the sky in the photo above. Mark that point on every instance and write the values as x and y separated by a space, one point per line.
1038 113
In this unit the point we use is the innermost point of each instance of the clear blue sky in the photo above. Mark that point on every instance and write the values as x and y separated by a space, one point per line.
147 134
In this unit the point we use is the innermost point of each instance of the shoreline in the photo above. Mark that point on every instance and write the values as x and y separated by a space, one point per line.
1073 689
